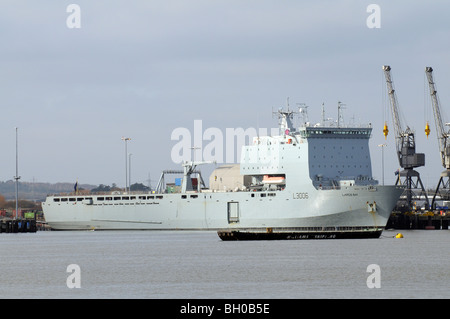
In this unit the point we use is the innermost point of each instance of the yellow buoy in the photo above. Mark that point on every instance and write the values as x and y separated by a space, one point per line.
385 130
427 129
399 235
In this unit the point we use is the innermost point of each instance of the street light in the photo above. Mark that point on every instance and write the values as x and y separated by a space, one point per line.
129 171
17 177
382 160
126 139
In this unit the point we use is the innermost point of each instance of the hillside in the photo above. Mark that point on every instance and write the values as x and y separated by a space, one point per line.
37 191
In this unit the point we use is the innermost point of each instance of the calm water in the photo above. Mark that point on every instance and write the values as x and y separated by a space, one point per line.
160 264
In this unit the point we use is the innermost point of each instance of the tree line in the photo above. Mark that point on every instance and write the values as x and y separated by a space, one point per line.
22 203
105 188
37 192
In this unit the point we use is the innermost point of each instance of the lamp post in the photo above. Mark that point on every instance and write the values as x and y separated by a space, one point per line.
129 171
382 160
17 177
126 139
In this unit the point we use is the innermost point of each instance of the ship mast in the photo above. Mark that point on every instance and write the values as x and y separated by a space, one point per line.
340 119
285 119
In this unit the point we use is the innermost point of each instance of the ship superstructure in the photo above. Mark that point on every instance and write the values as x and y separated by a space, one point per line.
307 182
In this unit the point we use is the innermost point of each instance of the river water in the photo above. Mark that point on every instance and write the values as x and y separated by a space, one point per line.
178 264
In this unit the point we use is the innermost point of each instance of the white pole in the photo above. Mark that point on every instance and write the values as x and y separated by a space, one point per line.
129 171
17 177
126 162
382 160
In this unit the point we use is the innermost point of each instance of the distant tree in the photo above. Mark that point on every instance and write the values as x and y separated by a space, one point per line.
101 189
2 202
82 191
105 188
23 204
114 187
139 187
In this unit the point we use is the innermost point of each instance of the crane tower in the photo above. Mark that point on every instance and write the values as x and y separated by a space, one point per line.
406 150
443 187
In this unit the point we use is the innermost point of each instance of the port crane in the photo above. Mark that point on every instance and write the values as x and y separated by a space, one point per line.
442 135
406 149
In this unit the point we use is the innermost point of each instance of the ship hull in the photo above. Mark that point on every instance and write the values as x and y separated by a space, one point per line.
305 213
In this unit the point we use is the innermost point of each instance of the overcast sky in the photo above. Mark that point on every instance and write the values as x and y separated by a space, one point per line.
143 68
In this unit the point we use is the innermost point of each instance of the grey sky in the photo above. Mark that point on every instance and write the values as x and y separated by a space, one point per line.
143 68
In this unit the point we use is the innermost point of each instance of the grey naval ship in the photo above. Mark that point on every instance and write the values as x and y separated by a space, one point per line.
309 182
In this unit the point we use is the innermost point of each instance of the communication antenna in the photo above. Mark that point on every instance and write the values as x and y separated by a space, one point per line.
303 110
340 116
323 113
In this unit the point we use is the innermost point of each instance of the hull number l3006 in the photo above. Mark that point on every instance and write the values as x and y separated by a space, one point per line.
300 195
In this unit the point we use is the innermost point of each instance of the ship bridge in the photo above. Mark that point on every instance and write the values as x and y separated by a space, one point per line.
335 132
328 155
339 156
